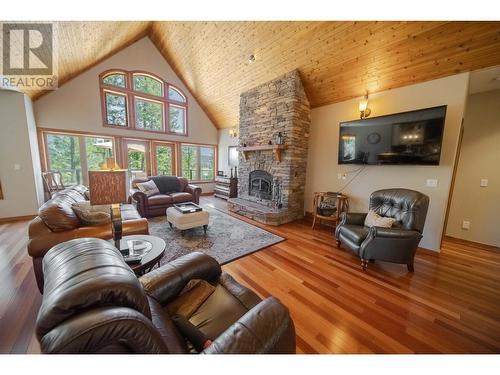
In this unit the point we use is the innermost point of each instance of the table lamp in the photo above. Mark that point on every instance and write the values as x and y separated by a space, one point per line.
109 186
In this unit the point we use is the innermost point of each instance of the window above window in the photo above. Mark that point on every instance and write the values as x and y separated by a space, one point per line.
115 79
147 84
174 94
142 101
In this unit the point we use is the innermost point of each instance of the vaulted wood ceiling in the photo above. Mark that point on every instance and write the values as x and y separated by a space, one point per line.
337 60
81 45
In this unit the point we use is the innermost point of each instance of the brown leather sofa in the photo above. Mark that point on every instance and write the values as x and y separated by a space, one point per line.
172 190
397 244
85 310
56 222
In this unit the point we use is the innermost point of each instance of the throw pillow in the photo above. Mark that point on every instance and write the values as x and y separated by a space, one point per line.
375 220
149 188
92 215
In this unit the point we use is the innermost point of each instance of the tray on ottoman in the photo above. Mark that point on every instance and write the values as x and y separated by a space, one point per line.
187 208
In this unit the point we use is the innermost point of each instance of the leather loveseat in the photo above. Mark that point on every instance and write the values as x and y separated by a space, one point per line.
57 222
101 306
172 190
397 244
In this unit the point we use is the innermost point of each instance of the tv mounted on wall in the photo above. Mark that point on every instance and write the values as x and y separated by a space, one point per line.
413 137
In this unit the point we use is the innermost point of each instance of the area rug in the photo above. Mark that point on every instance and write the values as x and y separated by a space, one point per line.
227 238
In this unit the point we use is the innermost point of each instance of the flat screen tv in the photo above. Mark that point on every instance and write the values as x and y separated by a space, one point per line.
413 137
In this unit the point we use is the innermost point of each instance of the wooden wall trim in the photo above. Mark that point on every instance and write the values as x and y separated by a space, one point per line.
479 245
13 219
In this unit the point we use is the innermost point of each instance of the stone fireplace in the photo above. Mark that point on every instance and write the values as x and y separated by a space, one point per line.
271 178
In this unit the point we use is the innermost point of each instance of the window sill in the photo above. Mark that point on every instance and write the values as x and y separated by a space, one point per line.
202 182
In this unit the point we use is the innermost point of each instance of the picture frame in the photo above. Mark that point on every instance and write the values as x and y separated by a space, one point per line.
220 173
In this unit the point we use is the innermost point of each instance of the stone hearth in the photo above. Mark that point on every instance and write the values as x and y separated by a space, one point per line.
264 183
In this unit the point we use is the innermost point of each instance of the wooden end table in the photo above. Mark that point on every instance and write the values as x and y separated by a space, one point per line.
341 204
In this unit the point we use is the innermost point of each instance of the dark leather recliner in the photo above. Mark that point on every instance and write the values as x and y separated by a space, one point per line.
93 303
397 244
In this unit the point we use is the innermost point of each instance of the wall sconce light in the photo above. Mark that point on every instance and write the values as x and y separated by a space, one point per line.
233 132
364 111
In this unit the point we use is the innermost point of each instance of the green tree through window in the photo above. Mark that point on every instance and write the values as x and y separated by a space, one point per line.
148 85
164 160
198 162
149 115
65 153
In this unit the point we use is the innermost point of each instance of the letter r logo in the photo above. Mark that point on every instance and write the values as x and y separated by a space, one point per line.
27 48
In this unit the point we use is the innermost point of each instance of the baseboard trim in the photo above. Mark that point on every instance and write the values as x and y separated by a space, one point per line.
16 218
428 251
207 194
472 243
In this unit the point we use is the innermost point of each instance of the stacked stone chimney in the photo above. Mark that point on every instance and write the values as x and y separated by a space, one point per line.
278 106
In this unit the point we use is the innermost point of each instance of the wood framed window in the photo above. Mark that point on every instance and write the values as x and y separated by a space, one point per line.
142 101
75 154
198 162
164 159
136 158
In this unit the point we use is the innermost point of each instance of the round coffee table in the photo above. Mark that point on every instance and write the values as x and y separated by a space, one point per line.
152 247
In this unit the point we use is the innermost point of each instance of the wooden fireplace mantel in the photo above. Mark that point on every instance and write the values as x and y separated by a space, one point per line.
276 149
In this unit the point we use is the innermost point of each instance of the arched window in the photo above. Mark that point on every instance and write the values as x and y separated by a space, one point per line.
142 101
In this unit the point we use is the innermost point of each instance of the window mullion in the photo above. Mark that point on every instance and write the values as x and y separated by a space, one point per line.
199 162
83 160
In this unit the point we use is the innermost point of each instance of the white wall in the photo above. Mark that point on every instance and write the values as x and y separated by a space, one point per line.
479 159
323 168
76 105
22 188
224 142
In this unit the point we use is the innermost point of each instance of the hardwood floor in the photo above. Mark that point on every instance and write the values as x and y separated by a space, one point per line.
451 304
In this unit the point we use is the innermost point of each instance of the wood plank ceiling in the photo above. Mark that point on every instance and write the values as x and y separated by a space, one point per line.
337 60
81 45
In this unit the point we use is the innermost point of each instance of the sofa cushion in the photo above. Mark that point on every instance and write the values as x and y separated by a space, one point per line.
167 184
129 212
81 189
72 195
91 215
355 233
181 197
160 200
149 188
57 213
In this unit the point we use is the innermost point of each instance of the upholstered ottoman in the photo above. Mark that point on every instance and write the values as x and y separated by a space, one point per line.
187 221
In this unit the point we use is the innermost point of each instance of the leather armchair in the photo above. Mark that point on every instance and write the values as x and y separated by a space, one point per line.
172 190
93 303
397 244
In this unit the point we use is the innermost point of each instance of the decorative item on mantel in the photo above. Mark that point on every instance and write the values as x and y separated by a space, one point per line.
279 139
